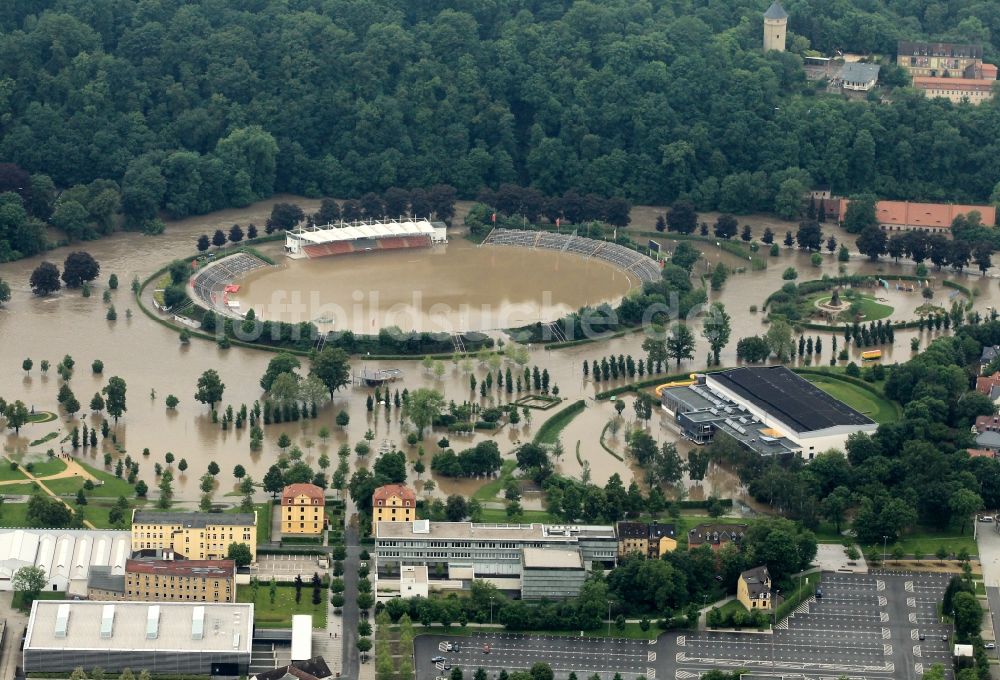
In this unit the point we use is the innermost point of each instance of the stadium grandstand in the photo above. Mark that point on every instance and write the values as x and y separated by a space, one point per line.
359 237
214 283
631 262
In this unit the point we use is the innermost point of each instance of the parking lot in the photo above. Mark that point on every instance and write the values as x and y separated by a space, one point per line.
510 651
864 626
285 567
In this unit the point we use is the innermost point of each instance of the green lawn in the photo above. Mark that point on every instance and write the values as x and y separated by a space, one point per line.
279 614
112 487
490 490
880 409
41 417
13 514
928 543
871 309
17 602
47 467
6 474
731 608
67 486
25 489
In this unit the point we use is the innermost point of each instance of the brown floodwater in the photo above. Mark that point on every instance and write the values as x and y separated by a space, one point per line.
452 287
154 364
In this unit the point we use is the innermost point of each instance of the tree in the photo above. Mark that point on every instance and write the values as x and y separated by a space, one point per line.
235 234
779 339
422 407
332 366
45 279
680 343
29 581
809 236
872 242
788 200
239 472
342 419
280 363
682 217
860 214
963 504
726 226
114 397
239 553
203 243
210 388
4 292
274 481
219 238
717 329
79 268
835 506
284 216
685 255
17 415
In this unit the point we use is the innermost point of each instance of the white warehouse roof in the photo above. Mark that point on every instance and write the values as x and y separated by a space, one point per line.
140 626
65 555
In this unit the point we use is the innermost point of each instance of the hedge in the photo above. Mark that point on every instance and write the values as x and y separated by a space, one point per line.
554 425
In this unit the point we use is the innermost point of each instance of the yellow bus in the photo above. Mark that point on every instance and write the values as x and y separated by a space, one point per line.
871 355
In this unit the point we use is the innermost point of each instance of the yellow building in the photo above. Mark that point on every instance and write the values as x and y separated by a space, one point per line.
650 540
394 503
940 60
302 509
168 581
754 589
194 535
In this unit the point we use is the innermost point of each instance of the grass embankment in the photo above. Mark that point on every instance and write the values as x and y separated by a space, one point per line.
869 402
42 417
279 614
802 592
47 467
17 602
549 432
490 490
106 485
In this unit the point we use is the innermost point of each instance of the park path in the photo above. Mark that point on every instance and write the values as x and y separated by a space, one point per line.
73 469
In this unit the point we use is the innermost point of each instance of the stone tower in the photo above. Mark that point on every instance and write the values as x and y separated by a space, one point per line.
775 27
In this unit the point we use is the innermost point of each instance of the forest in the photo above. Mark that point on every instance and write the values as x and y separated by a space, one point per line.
166 108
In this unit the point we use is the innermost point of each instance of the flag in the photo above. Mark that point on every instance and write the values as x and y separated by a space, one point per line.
558 222
494 218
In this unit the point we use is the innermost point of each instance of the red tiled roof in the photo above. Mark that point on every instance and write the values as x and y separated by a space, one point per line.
934 83
295 490
980 453
193 568
989 71
384 492
986 383
939 215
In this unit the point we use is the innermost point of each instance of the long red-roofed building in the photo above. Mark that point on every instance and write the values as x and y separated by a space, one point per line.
906 215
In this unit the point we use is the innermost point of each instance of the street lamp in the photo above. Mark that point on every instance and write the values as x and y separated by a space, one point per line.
774 626
609 618
491 610
884 540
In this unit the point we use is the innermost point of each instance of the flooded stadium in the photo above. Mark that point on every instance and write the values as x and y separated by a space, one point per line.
448 288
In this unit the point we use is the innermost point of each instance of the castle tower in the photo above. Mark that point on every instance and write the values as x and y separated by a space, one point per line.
775 27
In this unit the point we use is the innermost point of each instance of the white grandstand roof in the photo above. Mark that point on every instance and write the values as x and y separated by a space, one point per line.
64 555
351 232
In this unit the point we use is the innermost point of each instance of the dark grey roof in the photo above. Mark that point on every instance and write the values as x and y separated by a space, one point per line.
989 354
775 11
193 519
789 397
988 439
756 580
931 49
859 73
662 530
315 667
101 578
633 530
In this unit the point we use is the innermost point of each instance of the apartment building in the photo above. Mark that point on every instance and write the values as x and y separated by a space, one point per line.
193 535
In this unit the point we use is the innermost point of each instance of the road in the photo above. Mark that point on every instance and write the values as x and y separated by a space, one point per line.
350 613
988 541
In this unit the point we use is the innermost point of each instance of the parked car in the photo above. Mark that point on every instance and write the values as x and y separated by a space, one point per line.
435 659
985 518
922 636
447 646
455 647
486 649
990 645
819 593
447 666
944 638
